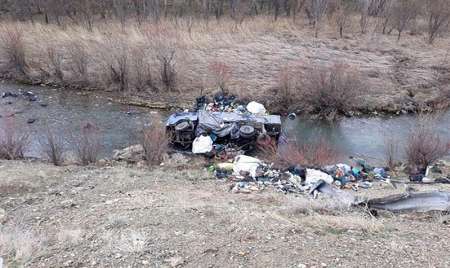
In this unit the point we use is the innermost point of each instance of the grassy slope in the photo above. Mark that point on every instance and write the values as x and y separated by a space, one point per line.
396 75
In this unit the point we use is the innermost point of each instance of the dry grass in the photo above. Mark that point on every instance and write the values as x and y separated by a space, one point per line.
127 241
18 244
70 236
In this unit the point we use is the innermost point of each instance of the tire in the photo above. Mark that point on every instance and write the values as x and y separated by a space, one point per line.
182 126
247 131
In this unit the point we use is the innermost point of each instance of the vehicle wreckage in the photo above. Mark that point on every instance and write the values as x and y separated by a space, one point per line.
241 128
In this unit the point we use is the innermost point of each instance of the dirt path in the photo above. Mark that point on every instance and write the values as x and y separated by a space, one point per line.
127 217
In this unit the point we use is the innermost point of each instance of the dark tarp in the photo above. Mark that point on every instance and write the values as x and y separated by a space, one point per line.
213 123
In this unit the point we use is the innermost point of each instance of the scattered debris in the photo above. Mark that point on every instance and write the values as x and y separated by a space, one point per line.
413 202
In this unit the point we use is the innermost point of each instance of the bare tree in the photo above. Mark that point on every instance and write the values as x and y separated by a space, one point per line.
438 12
364 15
385 15
404 12
342 15
316 10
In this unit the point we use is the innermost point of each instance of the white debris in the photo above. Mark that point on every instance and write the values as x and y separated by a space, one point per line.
246 164
256 108
314 175
202 144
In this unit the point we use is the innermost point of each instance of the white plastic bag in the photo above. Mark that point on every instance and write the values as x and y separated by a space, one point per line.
314 175
256 108
246 164
202 144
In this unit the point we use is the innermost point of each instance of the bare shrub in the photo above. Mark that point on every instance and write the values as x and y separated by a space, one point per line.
55 60
88 144
13 46
141 69
424 145
221 73
52 146
118 63
318 152
154 142
438 12
330 91
286 87
167 68
391 149
79 59
13 140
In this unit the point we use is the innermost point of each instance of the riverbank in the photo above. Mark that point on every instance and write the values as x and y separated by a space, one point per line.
122 215
256 59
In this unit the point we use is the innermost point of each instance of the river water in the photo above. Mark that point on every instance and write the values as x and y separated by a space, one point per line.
67 111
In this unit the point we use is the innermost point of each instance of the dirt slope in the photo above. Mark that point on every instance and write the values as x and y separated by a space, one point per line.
128 217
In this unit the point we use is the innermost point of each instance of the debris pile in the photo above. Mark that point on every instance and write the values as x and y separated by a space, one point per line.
223 128
251 174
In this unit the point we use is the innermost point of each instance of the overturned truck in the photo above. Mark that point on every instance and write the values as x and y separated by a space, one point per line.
239 128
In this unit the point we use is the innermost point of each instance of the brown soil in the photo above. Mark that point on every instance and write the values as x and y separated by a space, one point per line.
124 216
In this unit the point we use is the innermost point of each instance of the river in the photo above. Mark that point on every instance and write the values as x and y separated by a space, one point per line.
66 111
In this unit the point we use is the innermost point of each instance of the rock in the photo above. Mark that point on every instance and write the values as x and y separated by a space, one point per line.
141 164
9 94
70 157
176 159
68 203
175 261
133 154
2 216
102 163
